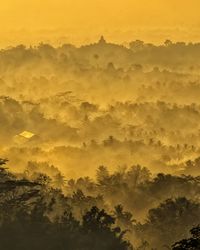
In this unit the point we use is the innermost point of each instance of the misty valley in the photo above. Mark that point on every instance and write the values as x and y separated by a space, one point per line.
100 146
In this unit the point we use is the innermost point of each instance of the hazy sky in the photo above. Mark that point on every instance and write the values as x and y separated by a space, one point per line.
85 19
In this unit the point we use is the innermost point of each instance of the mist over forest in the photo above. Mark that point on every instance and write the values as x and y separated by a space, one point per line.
100 146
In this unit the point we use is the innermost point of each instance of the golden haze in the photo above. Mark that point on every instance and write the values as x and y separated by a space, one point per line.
83 21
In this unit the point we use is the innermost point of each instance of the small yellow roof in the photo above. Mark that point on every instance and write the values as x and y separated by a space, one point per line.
27 134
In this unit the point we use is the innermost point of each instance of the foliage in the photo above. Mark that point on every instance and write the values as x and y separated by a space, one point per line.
192 243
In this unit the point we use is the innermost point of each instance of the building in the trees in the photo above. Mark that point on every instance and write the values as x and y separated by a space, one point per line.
102 40
25 137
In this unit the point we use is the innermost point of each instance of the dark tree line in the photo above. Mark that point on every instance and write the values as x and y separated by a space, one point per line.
26 220
34 214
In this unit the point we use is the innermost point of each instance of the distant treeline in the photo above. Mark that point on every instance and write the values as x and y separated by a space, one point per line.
170 55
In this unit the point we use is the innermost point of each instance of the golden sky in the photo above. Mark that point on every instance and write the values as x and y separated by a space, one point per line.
85 19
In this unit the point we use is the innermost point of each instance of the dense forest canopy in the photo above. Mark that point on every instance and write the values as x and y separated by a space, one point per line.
103 147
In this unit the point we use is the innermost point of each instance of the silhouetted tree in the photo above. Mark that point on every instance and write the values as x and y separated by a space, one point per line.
192 243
